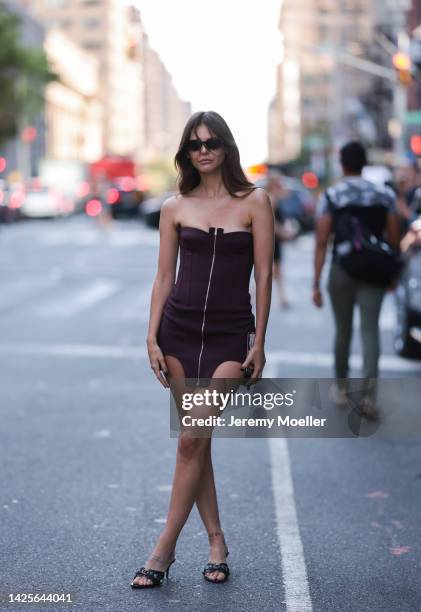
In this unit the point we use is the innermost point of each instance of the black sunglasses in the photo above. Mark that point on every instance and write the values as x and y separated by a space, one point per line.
211 144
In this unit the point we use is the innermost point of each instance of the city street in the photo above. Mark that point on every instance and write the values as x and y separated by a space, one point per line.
87 460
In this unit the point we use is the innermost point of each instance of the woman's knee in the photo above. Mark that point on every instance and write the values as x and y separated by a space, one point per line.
190 447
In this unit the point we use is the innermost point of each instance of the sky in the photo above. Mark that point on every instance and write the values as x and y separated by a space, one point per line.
222 55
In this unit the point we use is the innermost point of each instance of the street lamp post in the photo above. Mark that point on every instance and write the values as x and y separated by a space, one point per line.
402 63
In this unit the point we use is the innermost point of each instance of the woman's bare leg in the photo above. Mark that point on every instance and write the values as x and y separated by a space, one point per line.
206 500
191 456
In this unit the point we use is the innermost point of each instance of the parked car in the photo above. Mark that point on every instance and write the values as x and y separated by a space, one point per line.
121 196
150 209
298 204
407 339
11 199
45 202
6 213
124 197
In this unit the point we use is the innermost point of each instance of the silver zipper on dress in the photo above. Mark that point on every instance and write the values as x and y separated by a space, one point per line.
204 308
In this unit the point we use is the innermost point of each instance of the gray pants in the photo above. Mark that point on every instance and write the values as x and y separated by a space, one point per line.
345 292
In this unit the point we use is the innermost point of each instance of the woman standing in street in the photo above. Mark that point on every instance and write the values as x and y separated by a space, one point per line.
200 326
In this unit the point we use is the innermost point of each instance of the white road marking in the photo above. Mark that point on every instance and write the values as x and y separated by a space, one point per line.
113 237
70 305
141 236
325 360
312 318
15 291
274 358
59 237
75 350
137 308
102 433
294 572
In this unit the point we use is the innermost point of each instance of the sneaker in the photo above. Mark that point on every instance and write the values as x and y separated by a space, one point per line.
368 409
338 395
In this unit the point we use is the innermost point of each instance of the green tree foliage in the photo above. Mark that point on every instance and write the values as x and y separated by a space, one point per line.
24 72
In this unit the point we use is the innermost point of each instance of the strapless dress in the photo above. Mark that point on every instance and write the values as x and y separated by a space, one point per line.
208 314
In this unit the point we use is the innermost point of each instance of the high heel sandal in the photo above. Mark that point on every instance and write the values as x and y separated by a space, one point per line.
217 567
155 576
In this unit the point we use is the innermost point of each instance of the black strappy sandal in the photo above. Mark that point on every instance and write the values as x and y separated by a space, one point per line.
217 567
155 576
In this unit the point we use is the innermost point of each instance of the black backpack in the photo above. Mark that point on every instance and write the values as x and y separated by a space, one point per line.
360 248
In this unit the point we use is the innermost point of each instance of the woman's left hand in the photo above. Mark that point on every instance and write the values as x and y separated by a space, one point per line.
256 361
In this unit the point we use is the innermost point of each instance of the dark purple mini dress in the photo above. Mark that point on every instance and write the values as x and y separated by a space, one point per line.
208 314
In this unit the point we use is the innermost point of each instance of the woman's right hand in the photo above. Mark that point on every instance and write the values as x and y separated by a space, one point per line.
157 361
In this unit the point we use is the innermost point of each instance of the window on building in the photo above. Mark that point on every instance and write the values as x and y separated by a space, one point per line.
92 45
91 22
91 2
58 3
66 23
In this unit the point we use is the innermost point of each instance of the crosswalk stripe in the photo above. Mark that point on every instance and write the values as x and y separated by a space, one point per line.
75 350
138 308
325 360
274 358
97 237
16 291
79 300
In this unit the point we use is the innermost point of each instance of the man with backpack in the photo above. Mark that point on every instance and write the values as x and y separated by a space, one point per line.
364 223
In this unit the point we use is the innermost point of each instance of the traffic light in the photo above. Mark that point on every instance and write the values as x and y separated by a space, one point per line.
402 63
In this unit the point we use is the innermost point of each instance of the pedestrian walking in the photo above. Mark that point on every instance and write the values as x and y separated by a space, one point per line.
282 233
202 327
358 215
100 190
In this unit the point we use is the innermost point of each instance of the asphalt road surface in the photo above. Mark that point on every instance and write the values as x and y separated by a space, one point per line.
87 460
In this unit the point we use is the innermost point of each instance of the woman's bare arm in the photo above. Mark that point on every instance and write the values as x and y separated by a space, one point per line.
164 281
263 241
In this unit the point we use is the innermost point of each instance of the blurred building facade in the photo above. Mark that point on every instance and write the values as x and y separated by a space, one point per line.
142 113
165 114
414 101
322 98
104 29
73 110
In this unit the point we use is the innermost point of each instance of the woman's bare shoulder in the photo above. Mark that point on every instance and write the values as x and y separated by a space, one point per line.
258 194
172 201
258 197
172 204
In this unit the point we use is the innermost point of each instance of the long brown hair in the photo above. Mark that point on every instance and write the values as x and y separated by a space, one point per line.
232 172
